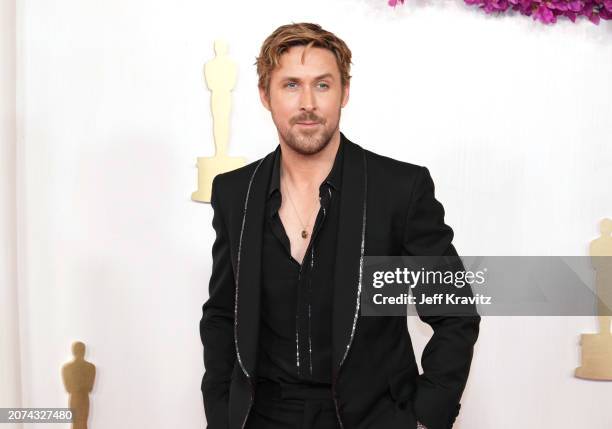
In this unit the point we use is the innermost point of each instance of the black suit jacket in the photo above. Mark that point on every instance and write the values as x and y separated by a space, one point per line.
387 207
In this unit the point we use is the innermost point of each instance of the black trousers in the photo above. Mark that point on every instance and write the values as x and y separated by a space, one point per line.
292 406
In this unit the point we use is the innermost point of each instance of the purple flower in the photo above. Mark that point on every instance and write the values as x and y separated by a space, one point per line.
545 11
571 15
545 15
560 5
492 6
526 6
590 11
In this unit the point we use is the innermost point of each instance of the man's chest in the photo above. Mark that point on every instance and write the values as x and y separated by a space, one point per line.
294 229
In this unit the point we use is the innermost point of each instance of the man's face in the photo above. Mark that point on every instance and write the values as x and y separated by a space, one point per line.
306 99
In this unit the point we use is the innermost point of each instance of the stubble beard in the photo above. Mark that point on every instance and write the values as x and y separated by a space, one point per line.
305 141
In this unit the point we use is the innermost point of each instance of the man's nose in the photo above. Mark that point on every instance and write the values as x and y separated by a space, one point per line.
307 100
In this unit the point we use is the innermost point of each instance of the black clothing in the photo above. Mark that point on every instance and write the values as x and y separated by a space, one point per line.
386 207
299 406
296 300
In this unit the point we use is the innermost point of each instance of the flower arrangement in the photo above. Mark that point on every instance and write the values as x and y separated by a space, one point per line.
545 11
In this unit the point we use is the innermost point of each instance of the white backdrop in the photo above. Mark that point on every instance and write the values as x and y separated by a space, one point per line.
511 117
9 332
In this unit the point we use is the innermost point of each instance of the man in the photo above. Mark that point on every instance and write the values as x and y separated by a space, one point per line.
285 345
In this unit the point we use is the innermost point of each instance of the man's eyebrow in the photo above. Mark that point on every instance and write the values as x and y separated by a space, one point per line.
324 75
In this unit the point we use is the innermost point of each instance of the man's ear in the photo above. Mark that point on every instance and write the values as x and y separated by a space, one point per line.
345 94
264 98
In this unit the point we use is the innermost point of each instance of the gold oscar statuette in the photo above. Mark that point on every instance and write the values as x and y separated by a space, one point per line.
78 376
597 348
220 77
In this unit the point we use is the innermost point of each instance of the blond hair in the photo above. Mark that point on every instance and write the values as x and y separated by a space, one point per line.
303 33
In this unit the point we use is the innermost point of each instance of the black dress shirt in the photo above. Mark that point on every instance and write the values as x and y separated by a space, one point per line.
296 300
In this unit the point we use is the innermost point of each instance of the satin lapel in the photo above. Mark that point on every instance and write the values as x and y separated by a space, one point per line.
248 278
349 253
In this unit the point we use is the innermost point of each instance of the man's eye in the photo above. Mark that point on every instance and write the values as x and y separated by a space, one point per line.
324 85
290 83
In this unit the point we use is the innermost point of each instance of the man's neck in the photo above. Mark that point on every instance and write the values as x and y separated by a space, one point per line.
306 172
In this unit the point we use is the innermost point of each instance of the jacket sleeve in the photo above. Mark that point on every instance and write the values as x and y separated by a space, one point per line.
216 325
447 356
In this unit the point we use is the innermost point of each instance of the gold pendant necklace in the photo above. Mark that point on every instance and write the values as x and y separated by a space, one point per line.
304 231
